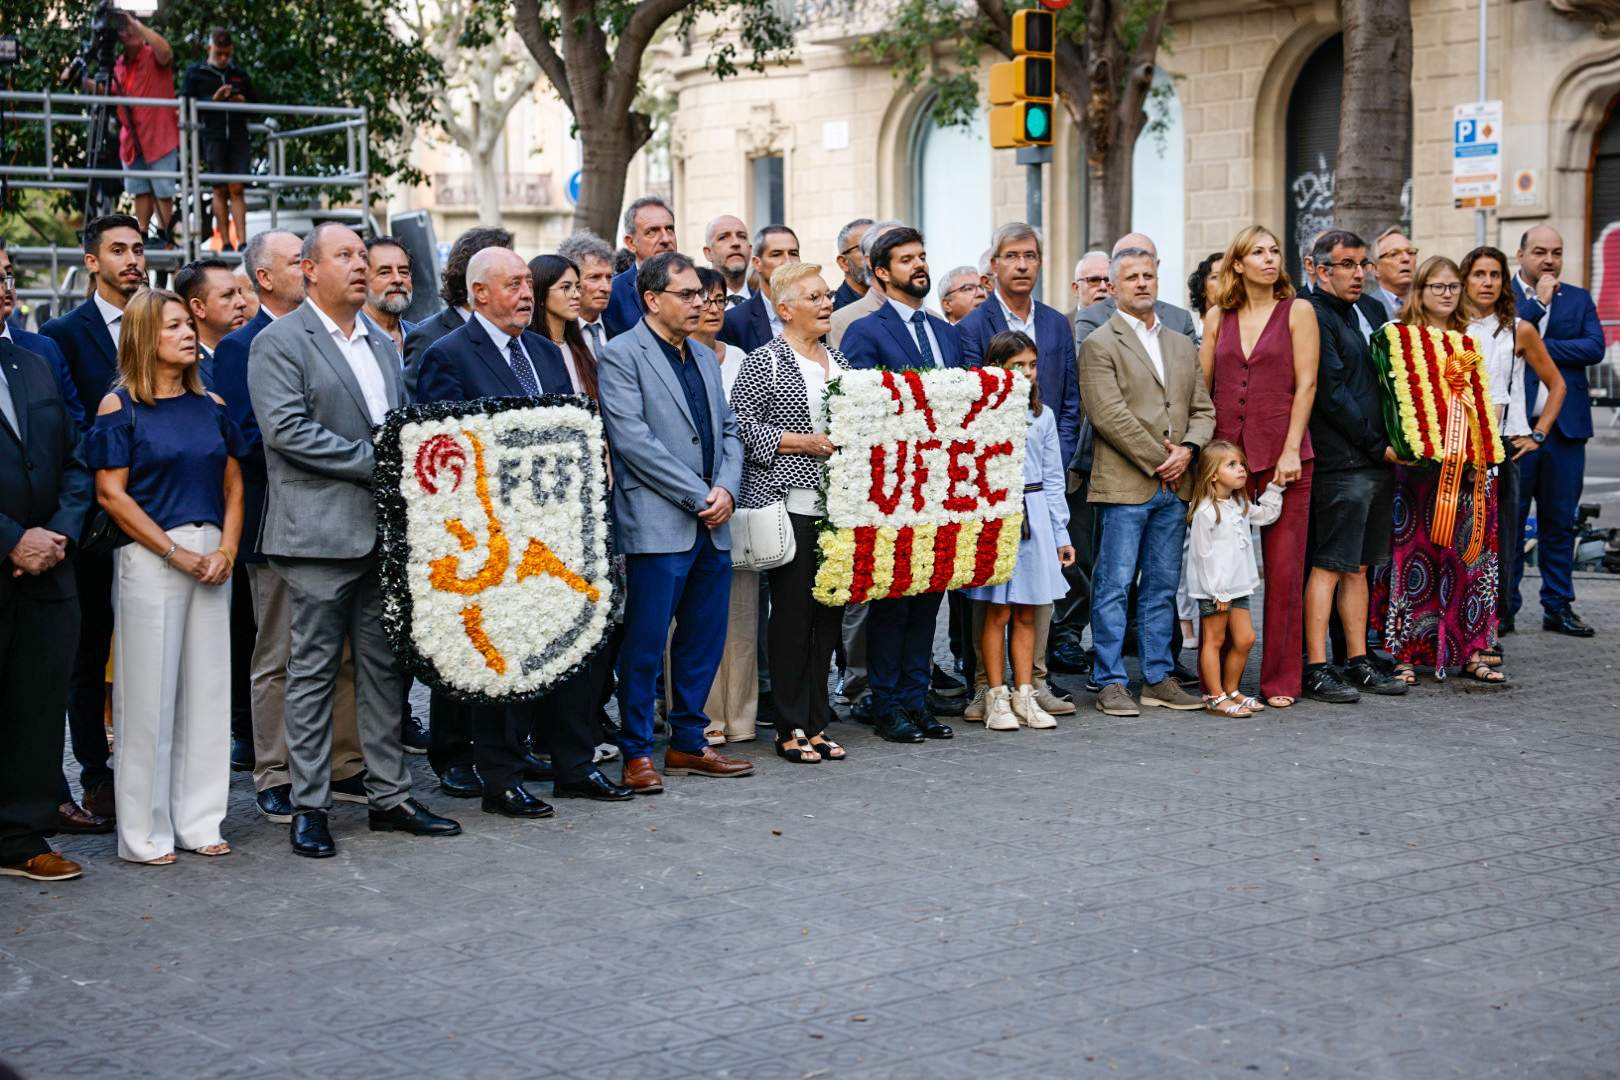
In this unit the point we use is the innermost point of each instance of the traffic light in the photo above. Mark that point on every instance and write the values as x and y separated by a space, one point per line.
1021 88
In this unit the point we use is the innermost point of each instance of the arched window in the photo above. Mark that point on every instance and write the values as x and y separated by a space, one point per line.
1159 188
952 171
1604 223
1312 148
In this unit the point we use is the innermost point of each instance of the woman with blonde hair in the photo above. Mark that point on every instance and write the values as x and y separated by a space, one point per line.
1259 358
165 452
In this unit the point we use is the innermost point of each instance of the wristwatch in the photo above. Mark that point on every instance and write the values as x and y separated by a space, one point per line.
1539 437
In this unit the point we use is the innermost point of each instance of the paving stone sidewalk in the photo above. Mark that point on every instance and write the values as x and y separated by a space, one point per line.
1420 887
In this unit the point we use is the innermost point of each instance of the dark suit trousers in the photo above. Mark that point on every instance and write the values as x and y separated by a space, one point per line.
900 651
243 632
34 636
87 703
801 638
563 723
1552 478
450 733
1072 614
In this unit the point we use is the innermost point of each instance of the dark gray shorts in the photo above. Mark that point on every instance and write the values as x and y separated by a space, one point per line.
1352 514
1207 608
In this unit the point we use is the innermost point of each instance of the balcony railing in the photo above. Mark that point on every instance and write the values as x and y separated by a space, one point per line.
458 189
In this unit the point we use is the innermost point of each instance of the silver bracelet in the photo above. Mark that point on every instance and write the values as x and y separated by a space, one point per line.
173 547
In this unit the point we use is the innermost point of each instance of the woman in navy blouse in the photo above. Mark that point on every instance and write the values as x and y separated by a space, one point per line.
165 453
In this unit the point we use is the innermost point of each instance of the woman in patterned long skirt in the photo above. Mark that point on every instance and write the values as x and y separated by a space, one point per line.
1434 607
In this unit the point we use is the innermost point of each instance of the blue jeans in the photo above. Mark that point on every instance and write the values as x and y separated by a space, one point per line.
1146 537
692 587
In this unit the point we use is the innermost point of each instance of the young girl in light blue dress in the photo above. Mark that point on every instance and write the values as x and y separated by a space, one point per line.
1038 577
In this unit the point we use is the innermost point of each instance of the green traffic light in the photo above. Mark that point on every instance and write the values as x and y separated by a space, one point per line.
1037 122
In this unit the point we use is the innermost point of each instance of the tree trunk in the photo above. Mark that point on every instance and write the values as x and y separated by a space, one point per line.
1375 119
608 145
487 185
1108 197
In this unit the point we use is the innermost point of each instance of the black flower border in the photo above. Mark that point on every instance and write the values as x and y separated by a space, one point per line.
394 547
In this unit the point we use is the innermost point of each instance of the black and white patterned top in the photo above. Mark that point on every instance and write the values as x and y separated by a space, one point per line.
770 398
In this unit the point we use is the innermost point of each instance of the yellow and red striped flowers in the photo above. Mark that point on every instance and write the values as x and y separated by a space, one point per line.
1425 370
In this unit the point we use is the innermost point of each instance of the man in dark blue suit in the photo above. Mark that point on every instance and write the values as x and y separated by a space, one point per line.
115 256
453 291
495 354
45 493
900 335
1552 476
213 295
649 229
12 328
755 321
857 278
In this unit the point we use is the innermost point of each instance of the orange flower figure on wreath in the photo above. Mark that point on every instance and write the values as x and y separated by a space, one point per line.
445 573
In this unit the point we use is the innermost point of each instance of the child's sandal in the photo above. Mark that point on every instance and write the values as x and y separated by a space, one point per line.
1254 705
1225 705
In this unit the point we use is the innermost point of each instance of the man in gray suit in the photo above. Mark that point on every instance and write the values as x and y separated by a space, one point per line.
677 462
320 384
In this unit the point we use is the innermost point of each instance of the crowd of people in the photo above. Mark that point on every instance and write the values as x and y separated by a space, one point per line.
186 488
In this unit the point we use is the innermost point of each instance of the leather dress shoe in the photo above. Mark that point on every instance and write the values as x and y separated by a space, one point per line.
709 762
896 726
275 803
310 836
929 725
413 736
944 683
862 712
945 706
47 866
99 800
73 818
412 817
515 801
1068 657
641 778
1565 621
593 785
241 754
537 767
352 790
461 782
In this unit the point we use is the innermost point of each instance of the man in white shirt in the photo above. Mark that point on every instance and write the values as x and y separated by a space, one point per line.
1394 267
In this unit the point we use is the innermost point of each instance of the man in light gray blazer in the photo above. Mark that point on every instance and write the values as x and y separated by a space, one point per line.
321 383
677 462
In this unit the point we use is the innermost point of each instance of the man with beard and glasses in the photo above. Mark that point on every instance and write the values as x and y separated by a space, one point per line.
726 246
901 335
857 275
115 256
388 289
214 297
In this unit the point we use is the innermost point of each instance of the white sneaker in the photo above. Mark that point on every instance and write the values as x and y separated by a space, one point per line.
1049 701
1029 713
998 712
975 708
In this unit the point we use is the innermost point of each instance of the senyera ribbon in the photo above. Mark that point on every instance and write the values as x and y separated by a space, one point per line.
1462 428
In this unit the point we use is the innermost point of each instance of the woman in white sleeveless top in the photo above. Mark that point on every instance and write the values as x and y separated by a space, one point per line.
1508 343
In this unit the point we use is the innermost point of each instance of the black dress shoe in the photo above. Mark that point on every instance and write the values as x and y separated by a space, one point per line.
1183 676
241 754
593 785
946 706
945 684
412 817
275 803
352 790
413 735
862 713
1565 621
310 836
1068 657
515 801
461 782
1323 683
925 722
896 726
537 767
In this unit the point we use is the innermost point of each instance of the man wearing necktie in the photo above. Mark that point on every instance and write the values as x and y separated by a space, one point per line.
1552 476
897 336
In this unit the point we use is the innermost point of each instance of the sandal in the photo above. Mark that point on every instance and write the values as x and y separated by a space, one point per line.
1406 673
1480 670
213 851
715 736
1492 655
799 755
1280 701
1252 704
829 750
161 860
1225 705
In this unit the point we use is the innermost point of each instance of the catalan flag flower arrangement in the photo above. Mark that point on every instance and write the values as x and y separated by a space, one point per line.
924 490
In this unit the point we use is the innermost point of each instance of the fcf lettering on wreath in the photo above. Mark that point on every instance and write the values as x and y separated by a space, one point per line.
925 489
497 569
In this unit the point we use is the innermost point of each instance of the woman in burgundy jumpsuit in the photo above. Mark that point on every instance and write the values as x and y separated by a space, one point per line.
1259 358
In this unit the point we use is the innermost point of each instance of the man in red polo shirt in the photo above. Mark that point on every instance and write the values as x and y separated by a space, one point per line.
149 135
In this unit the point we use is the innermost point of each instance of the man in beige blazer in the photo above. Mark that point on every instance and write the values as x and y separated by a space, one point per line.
1142 390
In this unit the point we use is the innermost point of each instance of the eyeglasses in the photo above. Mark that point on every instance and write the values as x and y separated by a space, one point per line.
567 288
1346 265
715 301
685 296
1392 252
1444 288
856 246
972 286
1020 257
7 281
1094 280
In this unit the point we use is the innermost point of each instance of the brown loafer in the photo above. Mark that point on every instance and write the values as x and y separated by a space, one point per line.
47 867
641 778
708 763
98 800
73 818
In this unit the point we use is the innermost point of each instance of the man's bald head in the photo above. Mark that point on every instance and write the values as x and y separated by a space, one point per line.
501 288
726 245
1136 240
491 262
1541 255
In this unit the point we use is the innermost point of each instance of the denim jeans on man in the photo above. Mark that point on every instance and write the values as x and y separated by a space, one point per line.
1146 537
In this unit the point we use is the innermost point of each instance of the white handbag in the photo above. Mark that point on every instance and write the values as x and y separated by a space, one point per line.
762 539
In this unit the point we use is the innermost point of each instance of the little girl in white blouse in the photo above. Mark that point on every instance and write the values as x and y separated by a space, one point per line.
1220 572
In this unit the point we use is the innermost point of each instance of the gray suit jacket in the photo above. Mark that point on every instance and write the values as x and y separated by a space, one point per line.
317 438
658 485
1088 319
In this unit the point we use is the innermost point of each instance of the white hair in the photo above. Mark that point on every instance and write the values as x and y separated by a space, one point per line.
1095 253
486 260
